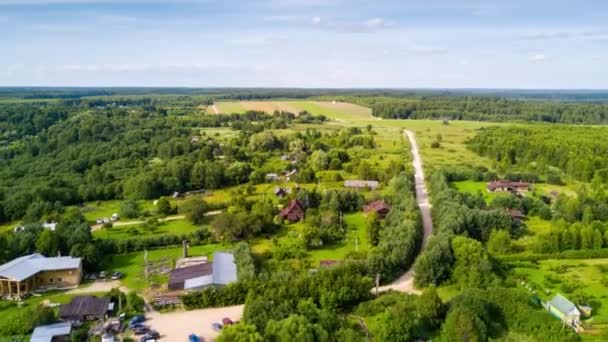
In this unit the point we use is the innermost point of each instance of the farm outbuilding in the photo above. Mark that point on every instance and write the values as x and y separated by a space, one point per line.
85 308
564 309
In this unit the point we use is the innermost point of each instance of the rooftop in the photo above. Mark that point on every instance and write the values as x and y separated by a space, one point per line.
45 333
26 266
85 306
562 304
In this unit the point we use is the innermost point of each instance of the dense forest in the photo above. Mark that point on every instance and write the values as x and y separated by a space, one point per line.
579 152
476 108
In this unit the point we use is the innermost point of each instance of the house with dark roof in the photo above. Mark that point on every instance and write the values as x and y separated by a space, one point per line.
85 308
564 309
220 272
379 207
35 272
58 332
294 212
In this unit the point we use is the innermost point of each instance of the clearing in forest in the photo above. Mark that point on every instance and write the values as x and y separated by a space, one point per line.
334 110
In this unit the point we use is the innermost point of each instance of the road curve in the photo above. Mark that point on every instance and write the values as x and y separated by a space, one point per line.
405 283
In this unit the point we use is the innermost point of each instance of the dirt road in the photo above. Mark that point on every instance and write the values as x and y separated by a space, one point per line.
405 283
177 326
215 110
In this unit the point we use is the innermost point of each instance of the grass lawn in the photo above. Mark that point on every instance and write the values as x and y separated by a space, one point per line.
132 264
572 278
474 187
94 210
536 226
174 227
357 232
8 227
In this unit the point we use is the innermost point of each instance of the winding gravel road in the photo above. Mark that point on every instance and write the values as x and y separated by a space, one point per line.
405 283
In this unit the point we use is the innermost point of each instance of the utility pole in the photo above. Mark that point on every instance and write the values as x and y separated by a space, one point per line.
356 243
377 283
146 271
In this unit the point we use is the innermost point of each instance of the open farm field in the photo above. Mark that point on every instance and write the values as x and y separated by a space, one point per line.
342 111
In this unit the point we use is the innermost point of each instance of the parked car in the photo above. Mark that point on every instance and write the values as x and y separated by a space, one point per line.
103 274
227 321
152 335
116 275
217 326
194 338
141 330
137 320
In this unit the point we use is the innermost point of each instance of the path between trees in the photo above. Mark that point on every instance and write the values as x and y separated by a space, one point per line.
405 283
168 218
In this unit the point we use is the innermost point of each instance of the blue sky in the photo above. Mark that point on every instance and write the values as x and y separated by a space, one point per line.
305 43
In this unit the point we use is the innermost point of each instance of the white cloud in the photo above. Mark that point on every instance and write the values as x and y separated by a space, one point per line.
555 35
537 57
369 25
426 50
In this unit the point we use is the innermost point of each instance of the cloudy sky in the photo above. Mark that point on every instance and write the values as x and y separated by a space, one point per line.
305 43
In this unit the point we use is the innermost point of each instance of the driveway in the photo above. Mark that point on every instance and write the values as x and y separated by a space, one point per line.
405 283
177 326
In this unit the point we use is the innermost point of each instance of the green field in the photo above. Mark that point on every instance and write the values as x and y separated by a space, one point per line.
474 187
100 209
339 111
173 227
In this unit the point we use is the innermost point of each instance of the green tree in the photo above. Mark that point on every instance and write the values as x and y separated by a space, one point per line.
129 209
294 328
319 160
194 208
240 332
163 206
47 243
499 242
373 228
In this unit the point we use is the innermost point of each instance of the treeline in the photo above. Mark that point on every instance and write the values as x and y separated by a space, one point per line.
478 108
579 152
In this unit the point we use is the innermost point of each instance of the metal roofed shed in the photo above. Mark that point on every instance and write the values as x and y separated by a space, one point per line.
221 271
564 309
52 332
84 308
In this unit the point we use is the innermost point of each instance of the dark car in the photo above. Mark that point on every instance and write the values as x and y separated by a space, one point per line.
217 326
194 338
141 330
227 321
116 275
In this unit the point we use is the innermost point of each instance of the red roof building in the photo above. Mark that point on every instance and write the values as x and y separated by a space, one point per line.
294 212
379 207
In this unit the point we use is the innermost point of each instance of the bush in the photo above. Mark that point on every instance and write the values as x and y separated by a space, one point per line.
231 294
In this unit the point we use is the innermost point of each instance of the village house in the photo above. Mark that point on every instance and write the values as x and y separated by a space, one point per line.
58 332
294 212
85 308
516 188
362 184
220 272
379 207
36 272
564 309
